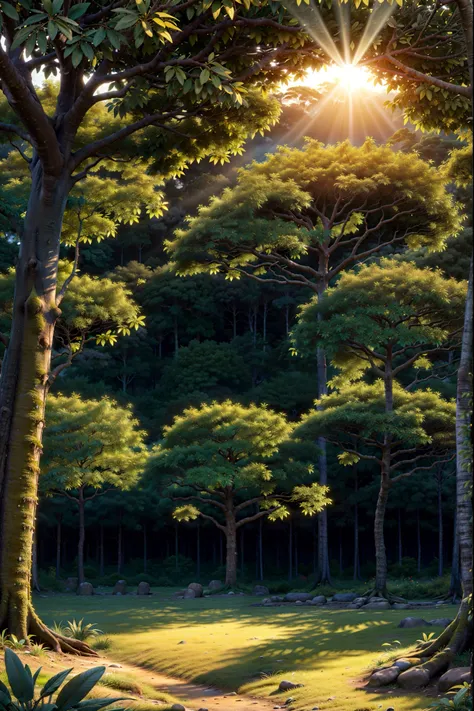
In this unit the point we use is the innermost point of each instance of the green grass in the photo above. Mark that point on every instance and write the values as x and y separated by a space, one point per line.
247 649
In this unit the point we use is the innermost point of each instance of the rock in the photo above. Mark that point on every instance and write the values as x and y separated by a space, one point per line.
454 677
120 587
183 641
409 622
260 590
202 709
85 589
276 598
299 602
360 601
143 588
441 622
115 666
197 587
402 664
189 595
215 585
390 708
297 597
414 678
71 584
178 707
400 606
288 685
384 677
318 600
376 605
344 597
179 594
289 701
231 592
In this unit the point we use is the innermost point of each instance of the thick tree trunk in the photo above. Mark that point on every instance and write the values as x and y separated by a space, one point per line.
58 546
231 549
455 590
379 538
34 564
295 537
23 390
82 536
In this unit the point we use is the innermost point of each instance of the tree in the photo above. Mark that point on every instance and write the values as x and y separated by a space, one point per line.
420 430
93 310
225 460
165 71
303 216
90 448
387 318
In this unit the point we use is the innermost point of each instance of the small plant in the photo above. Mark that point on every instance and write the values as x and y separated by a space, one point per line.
59 628
81 630
102 643
3 639
21 694
122 682
13 642
391 645
426 637
37 650
461 700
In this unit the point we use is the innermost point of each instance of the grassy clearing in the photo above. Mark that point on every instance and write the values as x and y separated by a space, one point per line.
229 644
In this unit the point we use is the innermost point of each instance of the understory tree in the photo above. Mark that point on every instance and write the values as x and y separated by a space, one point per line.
391 319
184 72
91 447
302 217
233 464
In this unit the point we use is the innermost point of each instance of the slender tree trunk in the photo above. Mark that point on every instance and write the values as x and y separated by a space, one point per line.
242 547
356 533
295 537
264 325
119 548
145 549
221 551
82 534
440 527
341 566
400 550
58 546
455 589
290 552
287 320
176 548
260 549
101 552
198 551
418 542
379 538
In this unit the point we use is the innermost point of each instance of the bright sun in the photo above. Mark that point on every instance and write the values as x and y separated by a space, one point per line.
348 76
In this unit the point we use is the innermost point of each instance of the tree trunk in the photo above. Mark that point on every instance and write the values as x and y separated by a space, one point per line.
356 534
400 551
418 542
264 325
34 564
341 567
101 553
145 549
290 552
58 546
455 589
242 552
440 527
260 549
380 553
198 551
82 535
231 549
221 551
119 548
176 548
295 537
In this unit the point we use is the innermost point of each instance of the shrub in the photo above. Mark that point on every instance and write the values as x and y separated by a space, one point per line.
164 582
459 699
90 572
418 589
110 580
142 577
407 568
280 587
101 643
81 630
181 570
48 581
37 650
21 694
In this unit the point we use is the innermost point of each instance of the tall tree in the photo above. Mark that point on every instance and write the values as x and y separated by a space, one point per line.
173 71
387 318
303 216
225 460
90 448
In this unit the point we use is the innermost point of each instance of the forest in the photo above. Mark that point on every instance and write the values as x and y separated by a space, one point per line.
236 352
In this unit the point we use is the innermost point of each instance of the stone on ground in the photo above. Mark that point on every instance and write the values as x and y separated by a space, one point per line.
318 600
297 597
441 622
197 587
261 590
215 585
402 664
85 589
400 606
189 595
409 622
71 584
414 678
288 685
120 588
143 588
178 707
384 677
377 605
454 677
344 597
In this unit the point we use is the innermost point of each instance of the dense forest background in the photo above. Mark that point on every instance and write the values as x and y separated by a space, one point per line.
207 338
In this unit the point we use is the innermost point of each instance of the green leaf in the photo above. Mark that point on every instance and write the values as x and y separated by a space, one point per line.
115 38
57 5
78 10
205 74
97 704
53 684
9 10
20 37
99 36
87 50
42 41
76 689
4 690
48 6
52 29
77 57
30 44
20 680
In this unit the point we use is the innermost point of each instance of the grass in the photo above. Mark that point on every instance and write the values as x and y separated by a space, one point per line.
247 649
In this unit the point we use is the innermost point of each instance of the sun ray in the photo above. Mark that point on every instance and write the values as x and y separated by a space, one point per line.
301 127
377 19
343 14
310 17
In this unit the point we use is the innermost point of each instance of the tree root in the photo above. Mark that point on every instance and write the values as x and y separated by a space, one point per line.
430 659
374 592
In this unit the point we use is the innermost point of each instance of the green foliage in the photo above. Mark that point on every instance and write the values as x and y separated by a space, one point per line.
90 443
81 630
458 699
120 682
69 697
101 644
272 220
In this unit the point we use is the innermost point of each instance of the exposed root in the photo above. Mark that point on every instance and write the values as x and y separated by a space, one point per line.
374 592
57 642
